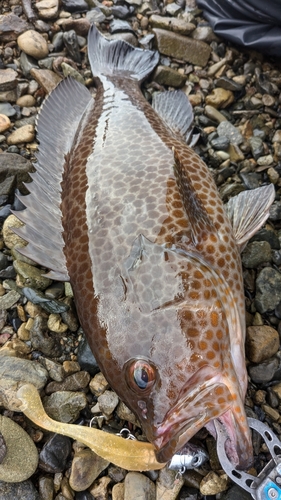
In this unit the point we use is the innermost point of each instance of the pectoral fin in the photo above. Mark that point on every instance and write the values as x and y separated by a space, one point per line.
248 211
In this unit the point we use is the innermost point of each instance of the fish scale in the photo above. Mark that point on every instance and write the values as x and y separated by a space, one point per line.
148 248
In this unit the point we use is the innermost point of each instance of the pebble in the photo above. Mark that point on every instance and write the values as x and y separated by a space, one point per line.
55 454
168 76
214 114
55 324
8 79
174 24
86 467
5 123
86 358
41 340
167 487
26 101
138 486
98 384
180 47
39 298
118 491
226 129
65 406
262 342
18 491
33 44
9 300
256 253
100 488
214 483
46 78
236 492
268 286
21 458
75 382
46 487
47 9
55 370
21 135
256 144
269 235
108 402
264 372
265 160
220 98
31 276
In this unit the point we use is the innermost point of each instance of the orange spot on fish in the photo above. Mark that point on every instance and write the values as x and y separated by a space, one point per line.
214 318
194 295
192 332
207 294
209 334
210 355
221 400
202 345
219 391
198 275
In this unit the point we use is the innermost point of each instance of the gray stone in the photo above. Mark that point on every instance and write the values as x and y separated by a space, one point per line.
11 26
228 84
138 486
31 275
236 492
164 75
256 253
8 79
262 342
39 298
21 458
256 144
27 63
226 129
108 402
86 358
7 109
42 341
275 211
65 406
167 488
169 23
18 491
86 467
55 453
220 143
9 299
268 286
264 372
75 382
269 235
183 48
12 164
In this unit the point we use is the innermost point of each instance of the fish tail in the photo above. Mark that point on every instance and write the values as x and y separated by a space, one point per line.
113 57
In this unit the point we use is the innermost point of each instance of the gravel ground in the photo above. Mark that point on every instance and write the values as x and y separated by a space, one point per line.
236 99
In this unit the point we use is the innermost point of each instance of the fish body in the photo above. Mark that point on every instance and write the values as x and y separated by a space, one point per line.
141 233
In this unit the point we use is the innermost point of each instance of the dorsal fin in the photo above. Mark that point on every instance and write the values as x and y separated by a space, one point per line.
57 124
248 211
176 111
201 224
108 57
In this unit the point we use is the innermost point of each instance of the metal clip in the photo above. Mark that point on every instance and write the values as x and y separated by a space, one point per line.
267 485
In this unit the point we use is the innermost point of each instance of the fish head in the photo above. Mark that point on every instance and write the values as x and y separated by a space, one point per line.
181 375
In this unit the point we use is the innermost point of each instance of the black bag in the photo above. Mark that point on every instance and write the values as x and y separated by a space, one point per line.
256 24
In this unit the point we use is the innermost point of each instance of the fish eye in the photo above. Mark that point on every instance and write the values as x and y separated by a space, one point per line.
141 375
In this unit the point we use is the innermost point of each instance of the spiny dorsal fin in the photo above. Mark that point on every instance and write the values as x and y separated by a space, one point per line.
57 124
108 57
176 111
248 211
201 224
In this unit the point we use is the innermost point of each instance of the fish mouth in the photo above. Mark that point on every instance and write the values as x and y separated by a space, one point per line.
191 414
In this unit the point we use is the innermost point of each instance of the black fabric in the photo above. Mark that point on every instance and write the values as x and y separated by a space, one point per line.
256 24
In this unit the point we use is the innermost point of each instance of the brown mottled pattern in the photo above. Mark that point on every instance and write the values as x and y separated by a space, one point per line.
143 286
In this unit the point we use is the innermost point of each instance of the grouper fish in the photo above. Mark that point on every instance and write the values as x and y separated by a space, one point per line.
126 211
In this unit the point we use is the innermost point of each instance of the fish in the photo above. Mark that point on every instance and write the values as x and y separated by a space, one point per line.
126 211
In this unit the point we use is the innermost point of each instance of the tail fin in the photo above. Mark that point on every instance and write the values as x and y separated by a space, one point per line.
113 57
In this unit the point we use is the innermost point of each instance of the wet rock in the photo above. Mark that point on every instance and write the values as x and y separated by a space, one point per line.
262 342
8 79
33 44
86 467
72 45
236 492
214 483
108 402
268 285
268 235
170 23
220 98
9 299
256 253
166 486
214 114
31 275
46 78
50 305
22 135
256 144
100 488
46 487
138 486
65 406
21 457
264 372
75 382
168 76
11 26
42 341
47 9
55 454
18 491
180 47
86 358
27 63
226 129
15 372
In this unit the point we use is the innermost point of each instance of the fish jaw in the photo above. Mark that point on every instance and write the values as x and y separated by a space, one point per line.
191 414
238 446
